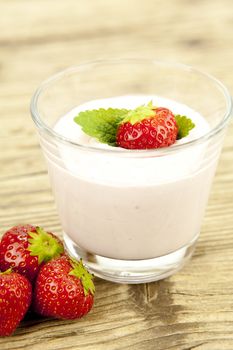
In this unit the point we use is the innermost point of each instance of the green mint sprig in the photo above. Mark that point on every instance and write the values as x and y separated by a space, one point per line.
185 125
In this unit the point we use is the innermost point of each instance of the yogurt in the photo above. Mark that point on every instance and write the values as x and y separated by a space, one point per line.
125 204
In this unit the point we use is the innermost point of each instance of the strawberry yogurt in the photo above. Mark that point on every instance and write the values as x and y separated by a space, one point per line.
131 205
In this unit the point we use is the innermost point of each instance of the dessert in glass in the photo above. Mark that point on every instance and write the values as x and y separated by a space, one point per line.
132 215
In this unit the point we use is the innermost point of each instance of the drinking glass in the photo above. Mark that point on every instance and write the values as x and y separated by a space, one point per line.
133 216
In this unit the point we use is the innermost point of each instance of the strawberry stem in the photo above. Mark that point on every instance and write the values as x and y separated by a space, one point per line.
44 245
138 114
7 272
86 278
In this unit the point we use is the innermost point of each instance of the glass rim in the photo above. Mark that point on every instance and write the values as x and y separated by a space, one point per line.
118 151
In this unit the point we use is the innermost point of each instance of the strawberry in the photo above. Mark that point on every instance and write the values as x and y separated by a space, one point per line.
147 127
15 299
25 247
64 289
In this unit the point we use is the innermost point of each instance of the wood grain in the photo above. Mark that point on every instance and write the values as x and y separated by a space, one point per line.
194 308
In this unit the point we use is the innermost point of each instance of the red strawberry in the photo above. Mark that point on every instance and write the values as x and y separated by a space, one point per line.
24 248
64 289
15 299
147 127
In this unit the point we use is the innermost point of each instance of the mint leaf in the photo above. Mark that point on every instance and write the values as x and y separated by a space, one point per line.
102 123
184 125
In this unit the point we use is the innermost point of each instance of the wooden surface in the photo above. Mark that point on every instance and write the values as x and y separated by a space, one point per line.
191 310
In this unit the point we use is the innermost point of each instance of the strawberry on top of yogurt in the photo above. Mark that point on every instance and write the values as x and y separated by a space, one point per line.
145 127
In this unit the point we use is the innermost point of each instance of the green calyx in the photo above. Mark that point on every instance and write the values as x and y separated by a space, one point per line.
86 278
138 114
44 245
7 272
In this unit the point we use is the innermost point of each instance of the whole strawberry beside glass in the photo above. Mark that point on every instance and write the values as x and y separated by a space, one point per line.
37 272
15 299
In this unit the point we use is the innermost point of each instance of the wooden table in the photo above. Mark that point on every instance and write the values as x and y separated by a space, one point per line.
194 308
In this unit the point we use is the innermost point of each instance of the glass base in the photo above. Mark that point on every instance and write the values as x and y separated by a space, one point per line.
132 271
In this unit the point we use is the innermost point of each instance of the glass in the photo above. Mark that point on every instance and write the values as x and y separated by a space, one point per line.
133 216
